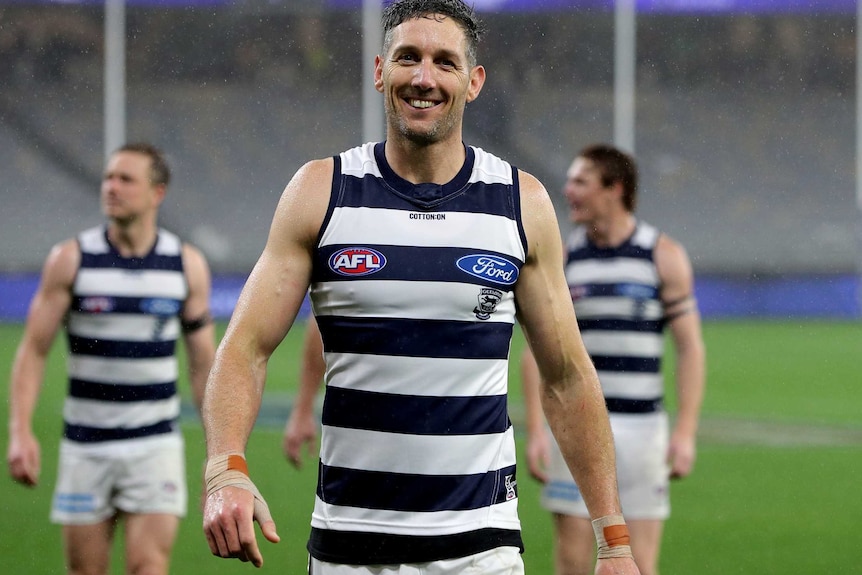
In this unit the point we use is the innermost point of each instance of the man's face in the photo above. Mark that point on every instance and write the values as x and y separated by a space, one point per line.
127 191
426 79
588 199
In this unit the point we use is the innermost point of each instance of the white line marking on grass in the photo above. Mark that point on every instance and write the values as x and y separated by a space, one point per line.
721 430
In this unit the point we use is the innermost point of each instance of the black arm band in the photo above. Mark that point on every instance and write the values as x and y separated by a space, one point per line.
669 318
676 302
197 323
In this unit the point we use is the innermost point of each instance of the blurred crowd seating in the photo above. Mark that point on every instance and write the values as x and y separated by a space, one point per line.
745 125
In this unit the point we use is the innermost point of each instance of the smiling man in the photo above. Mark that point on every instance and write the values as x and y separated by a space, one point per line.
417 458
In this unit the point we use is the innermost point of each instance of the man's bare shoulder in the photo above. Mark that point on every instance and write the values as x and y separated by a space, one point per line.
537 211
314 175
192 252
195 264
669 250
61 264
303 204
65 254
531 188
672 262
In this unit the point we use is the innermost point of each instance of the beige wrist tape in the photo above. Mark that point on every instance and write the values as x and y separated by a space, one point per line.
231 470
612 537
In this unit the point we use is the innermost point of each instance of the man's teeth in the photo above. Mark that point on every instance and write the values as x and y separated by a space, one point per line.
421 103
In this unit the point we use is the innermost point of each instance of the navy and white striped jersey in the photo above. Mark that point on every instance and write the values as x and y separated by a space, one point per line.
616 296
412 287
122 328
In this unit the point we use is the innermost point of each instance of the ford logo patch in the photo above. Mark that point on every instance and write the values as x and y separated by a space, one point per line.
488 267
356 261
160 306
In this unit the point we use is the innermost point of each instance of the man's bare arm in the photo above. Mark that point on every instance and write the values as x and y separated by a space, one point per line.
569 387
683 318
44 318
264 313
198 327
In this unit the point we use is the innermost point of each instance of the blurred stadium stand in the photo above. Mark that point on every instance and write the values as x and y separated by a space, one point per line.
745 123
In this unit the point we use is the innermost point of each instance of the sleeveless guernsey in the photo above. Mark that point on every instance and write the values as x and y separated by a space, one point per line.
412 286
122 329
616 296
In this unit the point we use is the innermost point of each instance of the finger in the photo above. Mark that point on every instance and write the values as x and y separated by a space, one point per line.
680 470
218 542
678 474
23 474
535 470
546 464
292 448
247 537
220 527
264 519
287 446
211 542
541 476
248 543
36 468
294 454
269 531
31 478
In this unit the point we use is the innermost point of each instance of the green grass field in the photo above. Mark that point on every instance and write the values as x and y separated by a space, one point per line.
775 490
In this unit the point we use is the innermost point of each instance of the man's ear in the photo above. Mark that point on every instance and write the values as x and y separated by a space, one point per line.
378 73
617 189
477 80
161 190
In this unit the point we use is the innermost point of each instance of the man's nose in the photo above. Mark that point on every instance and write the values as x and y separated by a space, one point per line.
424 75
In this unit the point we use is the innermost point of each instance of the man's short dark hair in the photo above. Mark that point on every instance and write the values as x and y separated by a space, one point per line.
399 11
614 165
160 172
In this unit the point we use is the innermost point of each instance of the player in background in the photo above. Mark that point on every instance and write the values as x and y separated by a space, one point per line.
628 281
125 292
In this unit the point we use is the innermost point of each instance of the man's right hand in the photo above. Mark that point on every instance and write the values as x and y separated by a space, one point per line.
538 455
300 429
616 566
24 459
229 516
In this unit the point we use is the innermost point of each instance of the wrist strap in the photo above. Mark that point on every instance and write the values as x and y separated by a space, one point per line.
612 537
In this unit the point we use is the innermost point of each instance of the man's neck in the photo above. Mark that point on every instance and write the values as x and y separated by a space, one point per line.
436 163
134 239
613 231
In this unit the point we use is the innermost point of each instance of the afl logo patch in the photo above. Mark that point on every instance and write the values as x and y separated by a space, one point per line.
356 261
97 304
488 267
577 292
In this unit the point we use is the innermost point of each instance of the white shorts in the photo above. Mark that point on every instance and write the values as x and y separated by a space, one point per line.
499 561
94 482
643 474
